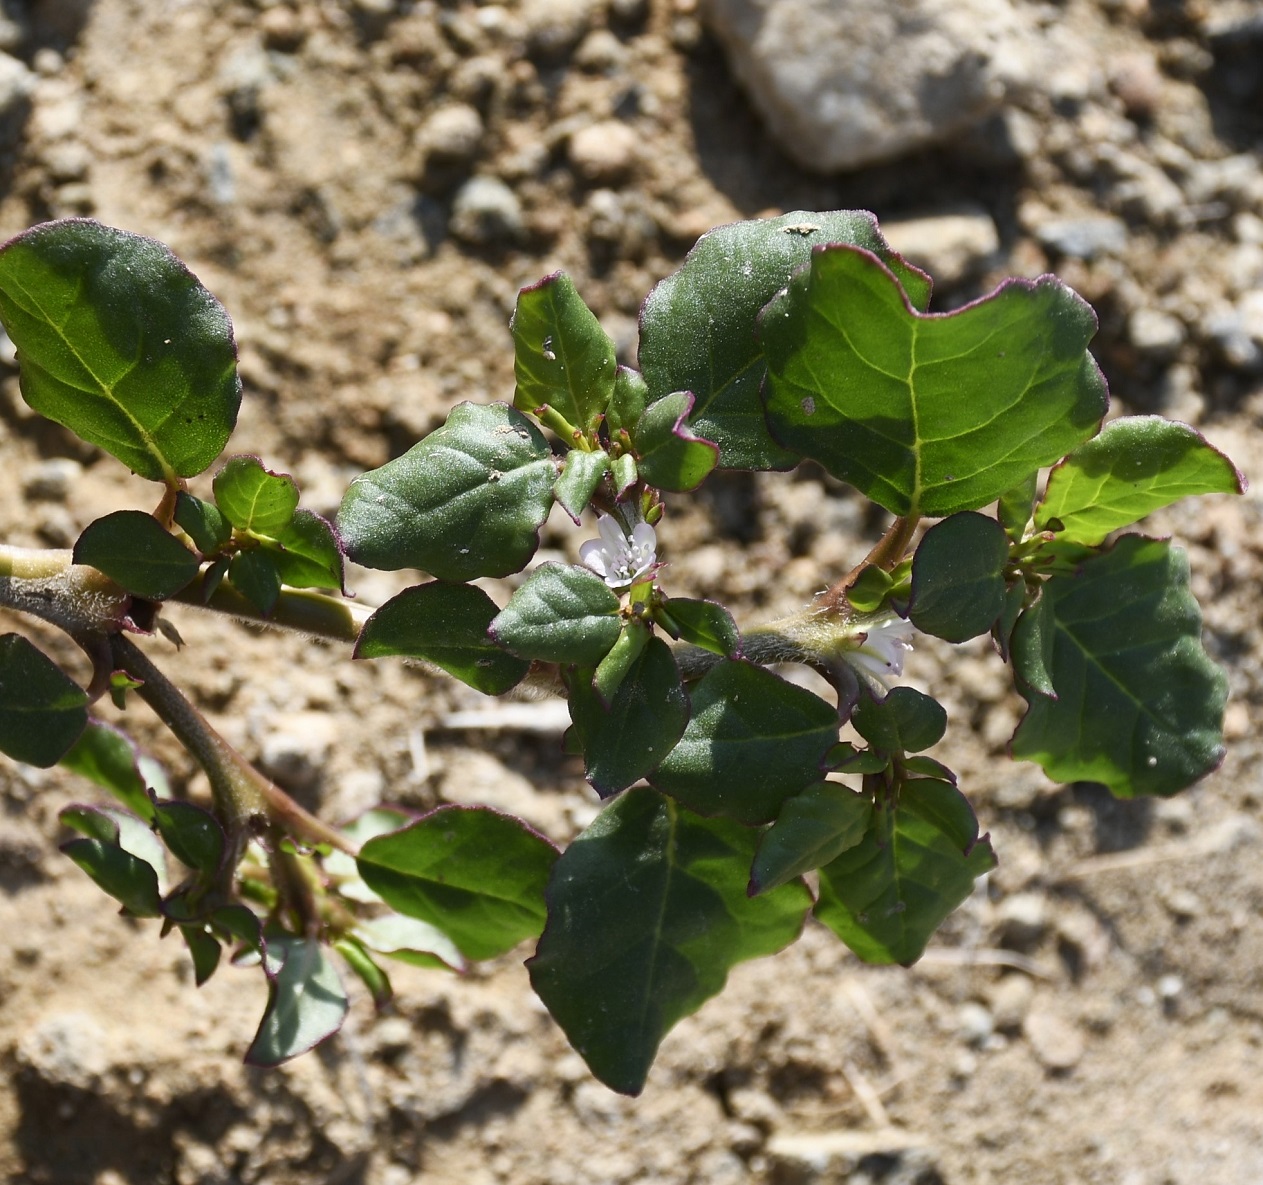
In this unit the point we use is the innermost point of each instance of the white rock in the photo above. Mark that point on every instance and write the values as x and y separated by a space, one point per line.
486 210
453 132
66 1049
604 151
843 83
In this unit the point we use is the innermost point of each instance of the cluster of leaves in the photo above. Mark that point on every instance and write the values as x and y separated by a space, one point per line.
797 337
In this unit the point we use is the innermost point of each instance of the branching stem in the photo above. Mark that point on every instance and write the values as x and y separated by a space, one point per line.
885 554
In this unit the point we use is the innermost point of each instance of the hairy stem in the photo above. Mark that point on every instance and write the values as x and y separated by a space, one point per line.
315 614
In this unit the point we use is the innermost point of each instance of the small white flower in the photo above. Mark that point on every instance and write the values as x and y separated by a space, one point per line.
620 561
880 656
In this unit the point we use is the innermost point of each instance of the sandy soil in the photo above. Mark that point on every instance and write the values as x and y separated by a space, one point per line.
1093 1014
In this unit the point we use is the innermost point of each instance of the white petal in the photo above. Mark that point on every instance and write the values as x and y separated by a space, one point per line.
594 555
610 531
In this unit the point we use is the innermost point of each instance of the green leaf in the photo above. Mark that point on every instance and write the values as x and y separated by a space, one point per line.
204 951
342 869
410 941
368 972
753 740
647 912
306 1002
1016 505
466 501
1135 466
1014 602
203 522
135 551
702 623
111 760
906 721
306 552
445 624
958 577
253 498
628 403
870 589
697 327
1138 703
119 342
579 480
476 875
563 359
624 740
561 613
257 577
887 895
670 456
194 836
928 414
625 473
845 758
119 854
42 710
615 666
813 829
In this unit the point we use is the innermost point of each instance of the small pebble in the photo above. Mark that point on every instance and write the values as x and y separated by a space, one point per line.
974 1023
1154 332
1057 1044
605 151
1084 238
486 211
50 480
452 133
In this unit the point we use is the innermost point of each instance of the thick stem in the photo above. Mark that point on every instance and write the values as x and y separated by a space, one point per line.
885 554
245 800
315 614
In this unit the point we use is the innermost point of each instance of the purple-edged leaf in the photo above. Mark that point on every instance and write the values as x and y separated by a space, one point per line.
136 552
561 613
813 829
111 760
647 912
445 624
885 896
256 576
669 455
119 342
697 327
702 623
467 501
752 741
628 403
120 854
254 498
927 414
1136 465
905 721
625 473
624 739
204 950
42 710
563 359
1138 703
476 875
958 577
203 522
579 480
307 552
193 834
306 1001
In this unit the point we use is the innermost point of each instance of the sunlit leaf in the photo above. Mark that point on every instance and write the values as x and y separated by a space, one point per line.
958 577
561 613
254 498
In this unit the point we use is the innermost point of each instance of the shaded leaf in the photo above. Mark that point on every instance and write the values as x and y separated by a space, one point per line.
885 896
119 342
203 522
111 760
476 875
905 721
445 624
1136 465
203 949
120 854
927 414
561 613
466 501
753 740
958 577
647 912
42 710
813 828
624 740
697 327
1138 703
194 835
306 1001
368 972
256 576
410 941
136 552
307 553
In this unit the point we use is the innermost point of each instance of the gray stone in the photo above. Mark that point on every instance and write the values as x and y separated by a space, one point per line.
800 1158
50 480
16 84
452 133
1022 919
843 83
951 247
486 211
66 1049
1152 331
1084 238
